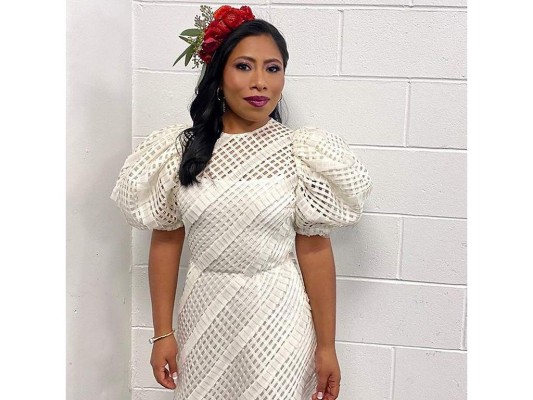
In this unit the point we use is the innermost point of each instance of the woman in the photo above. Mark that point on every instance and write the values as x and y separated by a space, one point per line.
253 322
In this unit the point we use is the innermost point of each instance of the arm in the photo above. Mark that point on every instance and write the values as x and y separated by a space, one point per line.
163 265
315 257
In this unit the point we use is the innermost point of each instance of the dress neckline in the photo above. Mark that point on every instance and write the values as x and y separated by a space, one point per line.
251 132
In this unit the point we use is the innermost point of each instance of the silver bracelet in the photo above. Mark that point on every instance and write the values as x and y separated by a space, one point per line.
152 340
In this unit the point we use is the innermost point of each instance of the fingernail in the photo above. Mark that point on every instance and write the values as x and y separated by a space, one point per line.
320 395
174 375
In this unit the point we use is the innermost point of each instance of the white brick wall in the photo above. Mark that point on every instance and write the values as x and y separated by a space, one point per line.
390 77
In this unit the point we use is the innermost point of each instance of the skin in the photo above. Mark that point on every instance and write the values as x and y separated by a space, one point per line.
315 257
242 78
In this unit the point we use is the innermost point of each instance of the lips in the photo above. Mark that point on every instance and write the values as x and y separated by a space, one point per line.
257 101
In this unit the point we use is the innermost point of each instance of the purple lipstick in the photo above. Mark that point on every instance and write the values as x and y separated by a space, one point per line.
257 101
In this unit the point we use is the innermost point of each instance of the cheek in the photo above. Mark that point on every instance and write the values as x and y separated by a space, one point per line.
278 85
234 82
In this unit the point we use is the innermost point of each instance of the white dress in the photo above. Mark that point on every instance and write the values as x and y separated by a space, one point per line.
244 324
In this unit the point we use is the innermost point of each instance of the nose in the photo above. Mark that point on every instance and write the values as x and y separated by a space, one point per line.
259 79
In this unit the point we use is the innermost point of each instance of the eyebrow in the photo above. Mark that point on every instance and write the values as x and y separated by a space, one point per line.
253 59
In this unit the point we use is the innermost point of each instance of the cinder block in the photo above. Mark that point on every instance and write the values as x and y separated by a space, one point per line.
362 111
393 313
437 116
141 350
313 45
161 99
434 250
366 371
368 249
141 248
465 324
417 182
423 374
141 245
406 43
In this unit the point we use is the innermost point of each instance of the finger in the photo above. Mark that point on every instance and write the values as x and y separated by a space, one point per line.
330 396
173 367
334 389
321 385
161 376
168 380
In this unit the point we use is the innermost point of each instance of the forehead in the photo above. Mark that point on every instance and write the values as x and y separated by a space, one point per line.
258 47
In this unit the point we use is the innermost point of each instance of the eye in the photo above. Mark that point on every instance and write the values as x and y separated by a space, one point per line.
276 67
240 64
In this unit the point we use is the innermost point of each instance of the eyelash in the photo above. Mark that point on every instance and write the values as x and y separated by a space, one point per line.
273 66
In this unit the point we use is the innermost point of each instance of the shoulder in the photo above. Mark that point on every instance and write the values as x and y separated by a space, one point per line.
170 130
147 183
313 144
160 139
312 134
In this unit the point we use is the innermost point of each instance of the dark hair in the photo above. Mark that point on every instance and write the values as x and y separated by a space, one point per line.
206 110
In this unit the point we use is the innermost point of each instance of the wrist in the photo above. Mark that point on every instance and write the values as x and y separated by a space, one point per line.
162 330
326 346
156 338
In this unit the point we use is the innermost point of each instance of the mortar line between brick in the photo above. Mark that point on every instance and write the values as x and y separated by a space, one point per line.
399 281
340 42
336 77
370 7
407 114
388 345
463 336
393 373
131 255
317 6
149 389
425 216
400 250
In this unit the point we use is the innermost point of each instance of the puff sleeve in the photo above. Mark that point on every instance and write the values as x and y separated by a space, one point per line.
147 184
332 184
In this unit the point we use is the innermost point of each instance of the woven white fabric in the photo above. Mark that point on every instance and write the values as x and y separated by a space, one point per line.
244 323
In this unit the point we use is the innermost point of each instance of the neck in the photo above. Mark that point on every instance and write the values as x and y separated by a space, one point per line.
234 124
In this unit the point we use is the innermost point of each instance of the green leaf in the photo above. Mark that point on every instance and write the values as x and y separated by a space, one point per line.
186 51
191 32
189 40
188 58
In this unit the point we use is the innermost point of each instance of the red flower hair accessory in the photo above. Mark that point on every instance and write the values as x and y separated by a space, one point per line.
211 31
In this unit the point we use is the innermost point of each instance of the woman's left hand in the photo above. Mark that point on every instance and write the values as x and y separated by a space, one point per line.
328 373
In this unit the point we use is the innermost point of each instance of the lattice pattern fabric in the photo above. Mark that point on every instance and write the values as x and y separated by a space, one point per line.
332 186
146 189
244 324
